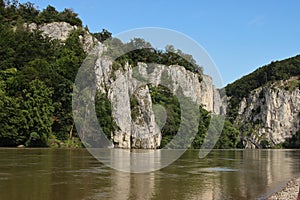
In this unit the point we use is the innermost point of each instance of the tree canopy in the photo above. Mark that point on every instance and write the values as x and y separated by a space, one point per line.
36 76
14 12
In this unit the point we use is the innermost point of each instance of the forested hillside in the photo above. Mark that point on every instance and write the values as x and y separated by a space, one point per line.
36 76
264 105
275 71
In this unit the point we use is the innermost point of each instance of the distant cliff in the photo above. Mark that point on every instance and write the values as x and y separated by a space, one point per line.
265 105
270 115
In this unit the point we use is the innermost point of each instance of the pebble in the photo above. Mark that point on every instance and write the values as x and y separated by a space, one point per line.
289 192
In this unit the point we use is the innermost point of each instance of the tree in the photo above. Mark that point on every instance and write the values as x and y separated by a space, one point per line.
204 120
229 137
293 142
39 112
170 48
50 14
28 12
69 16
103 35
104 114
12 119
138 43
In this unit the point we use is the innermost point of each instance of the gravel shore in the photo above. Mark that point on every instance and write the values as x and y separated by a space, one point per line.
289 192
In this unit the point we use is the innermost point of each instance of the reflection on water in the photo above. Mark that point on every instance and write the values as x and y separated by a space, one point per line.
136 160
73 174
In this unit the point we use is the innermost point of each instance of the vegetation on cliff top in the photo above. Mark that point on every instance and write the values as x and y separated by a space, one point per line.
279 70
13 13
284 74
139 50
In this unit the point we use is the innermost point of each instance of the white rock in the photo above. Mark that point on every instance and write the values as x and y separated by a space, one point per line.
275 110
143 132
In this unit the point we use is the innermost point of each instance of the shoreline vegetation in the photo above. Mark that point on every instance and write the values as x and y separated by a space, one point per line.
55 143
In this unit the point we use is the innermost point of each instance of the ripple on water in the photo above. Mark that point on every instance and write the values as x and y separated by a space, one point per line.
213 169
4 176
94 170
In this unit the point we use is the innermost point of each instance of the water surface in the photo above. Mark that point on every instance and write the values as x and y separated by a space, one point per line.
63 174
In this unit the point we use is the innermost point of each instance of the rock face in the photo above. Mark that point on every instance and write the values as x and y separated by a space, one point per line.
145 133
62 30
271 113
121 86
57 30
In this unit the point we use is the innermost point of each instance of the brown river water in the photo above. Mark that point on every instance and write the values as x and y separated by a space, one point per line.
63 174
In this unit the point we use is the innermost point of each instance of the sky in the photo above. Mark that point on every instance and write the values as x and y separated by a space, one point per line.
239 36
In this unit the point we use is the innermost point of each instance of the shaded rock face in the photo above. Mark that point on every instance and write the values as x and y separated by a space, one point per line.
145 133
272 112
139 129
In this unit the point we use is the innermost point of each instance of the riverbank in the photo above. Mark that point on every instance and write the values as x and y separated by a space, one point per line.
289 192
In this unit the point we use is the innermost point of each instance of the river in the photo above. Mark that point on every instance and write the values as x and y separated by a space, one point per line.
63 174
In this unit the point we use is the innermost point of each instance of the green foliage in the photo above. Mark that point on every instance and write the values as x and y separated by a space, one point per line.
24 116
12 119
265 144
36 140
103 35
204 120
50 14
293 142
104 114
229 137
69 16
133 107
36 76
138 50
291 85
37 103
164 97
13 12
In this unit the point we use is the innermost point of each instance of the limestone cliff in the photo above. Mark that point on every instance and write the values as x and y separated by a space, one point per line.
131 82
267 116
122 85
270 115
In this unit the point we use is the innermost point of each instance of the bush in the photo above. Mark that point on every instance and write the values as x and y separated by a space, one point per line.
36 140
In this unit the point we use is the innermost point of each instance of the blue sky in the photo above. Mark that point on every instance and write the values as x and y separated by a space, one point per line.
240 36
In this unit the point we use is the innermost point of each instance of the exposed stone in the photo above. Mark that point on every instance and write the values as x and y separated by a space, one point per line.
145 132
272 112
120 100
57 30
290 191
62 30
120 85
